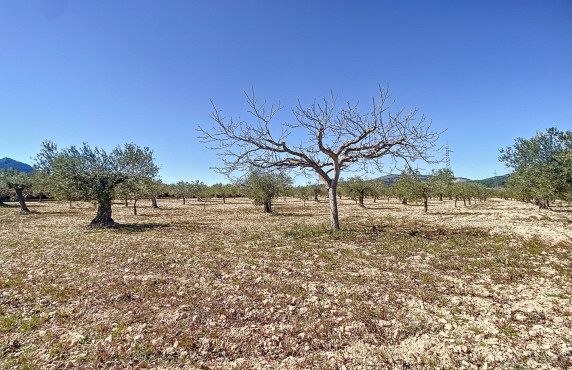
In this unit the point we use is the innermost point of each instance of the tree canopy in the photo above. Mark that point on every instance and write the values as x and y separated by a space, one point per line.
335 139
542 166
93 174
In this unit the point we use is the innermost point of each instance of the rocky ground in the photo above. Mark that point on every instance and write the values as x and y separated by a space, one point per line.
225 286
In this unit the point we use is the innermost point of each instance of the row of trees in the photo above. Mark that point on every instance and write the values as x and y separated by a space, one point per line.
264 186
58 176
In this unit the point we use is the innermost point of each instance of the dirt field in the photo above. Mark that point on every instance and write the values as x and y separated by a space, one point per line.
226 286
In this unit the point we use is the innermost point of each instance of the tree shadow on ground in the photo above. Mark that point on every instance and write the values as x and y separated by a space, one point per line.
5 205
134 227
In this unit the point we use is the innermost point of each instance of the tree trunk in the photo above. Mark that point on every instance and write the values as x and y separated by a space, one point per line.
469 201
425 204
224 199
20 195
268 205
542 203
126 202
184 201
404 201
333 200
440 197
316 197
360 200
135 206
456 199
40 198
70 204
465 202
103 218
154 202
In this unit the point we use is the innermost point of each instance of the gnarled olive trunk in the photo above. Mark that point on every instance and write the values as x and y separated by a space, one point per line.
360 201
22 200
103 218
154 202
135 206
268 205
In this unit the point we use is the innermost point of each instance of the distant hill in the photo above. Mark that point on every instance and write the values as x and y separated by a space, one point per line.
7 163
490 182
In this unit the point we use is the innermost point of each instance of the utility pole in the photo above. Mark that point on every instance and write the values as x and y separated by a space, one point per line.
447 156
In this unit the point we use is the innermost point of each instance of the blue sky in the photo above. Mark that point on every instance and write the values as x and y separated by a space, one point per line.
109 72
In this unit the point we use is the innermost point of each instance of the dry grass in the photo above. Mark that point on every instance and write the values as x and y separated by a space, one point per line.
229 287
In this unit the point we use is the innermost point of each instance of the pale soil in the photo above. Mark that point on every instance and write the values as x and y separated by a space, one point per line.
225 286
496 215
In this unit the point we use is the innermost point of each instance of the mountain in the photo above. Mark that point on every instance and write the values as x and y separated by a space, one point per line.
6 163
490 182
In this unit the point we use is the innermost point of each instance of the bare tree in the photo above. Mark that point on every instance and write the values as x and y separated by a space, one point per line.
335 139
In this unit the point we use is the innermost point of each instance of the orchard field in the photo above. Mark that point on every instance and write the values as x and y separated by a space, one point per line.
213 285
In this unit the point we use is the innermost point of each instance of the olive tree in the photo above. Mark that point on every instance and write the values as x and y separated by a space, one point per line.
94 174
441 182
261 187
20 183
357 189
542 165
335 139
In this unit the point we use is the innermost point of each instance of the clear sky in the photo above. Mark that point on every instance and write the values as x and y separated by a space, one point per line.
109 72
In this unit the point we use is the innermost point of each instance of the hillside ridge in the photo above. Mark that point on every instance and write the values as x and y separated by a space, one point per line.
7 163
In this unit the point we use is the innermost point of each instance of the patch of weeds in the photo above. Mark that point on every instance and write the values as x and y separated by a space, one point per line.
33 323
56 350
12 282
300 231
117 330
476 330
509 330
535 245
8 323
559 295
145 354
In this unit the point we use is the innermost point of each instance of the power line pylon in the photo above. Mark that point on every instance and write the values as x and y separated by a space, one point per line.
447 156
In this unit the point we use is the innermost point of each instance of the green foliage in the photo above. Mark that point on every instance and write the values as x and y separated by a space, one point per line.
441 182
17 182
409 186
303 193
261 187
492 182
93 174
379 189
542 166
357 189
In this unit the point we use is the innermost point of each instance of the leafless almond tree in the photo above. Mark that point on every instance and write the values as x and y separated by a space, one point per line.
335 139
